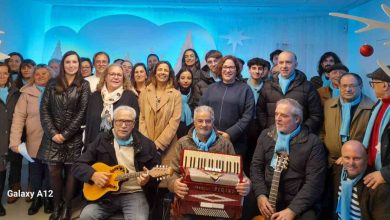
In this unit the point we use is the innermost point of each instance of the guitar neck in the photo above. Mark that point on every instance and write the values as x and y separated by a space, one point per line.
127 176
273 194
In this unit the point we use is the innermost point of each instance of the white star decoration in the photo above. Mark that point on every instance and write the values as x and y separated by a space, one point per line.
3 56
235 38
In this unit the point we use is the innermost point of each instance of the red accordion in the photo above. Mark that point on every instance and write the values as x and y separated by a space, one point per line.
211 179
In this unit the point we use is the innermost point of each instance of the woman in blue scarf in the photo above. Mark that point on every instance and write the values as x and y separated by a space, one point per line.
185 86
8 97
26 116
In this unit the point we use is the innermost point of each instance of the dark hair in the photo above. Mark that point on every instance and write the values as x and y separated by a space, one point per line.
152 55
54 60
187 69
356 76
27 62
259 62
13 54
119 59
197 62
274 53
9 81
152 77
62 83
99 53
214 54
236 64
320 69
86 59
133 73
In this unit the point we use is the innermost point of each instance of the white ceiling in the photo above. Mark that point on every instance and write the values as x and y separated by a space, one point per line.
317 5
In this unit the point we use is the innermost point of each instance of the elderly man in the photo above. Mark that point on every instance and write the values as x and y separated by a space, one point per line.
346 117
332 90
352 199
124 146
289 83
377 136
100 61
302 183
203 137
327 60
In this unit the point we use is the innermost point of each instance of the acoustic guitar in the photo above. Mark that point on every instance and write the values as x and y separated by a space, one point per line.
281 164
120 174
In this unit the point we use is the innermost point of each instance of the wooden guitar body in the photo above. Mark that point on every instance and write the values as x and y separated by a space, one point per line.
93 192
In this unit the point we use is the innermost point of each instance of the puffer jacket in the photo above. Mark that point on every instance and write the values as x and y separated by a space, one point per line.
6 114
201 87
63 113
300 90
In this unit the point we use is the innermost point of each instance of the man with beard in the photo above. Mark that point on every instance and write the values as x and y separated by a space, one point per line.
327 60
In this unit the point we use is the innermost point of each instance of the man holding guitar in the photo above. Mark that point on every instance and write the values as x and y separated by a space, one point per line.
299 187
123 146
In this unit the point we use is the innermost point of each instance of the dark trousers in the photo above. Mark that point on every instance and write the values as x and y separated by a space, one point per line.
39 177
162 205
15 172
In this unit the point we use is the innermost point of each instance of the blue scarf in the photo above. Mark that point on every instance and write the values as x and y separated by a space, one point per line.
345 198
367 135
41 90
283 144
201 145
325 82
285 83
24 81
346 117
255 89
214 76
4 94
335 92
186 114
125 143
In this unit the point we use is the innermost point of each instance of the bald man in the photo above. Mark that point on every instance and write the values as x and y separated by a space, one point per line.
352 199
289 83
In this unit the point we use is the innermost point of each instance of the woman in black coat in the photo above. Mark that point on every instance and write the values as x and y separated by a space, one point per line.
114 89
8 97
63 109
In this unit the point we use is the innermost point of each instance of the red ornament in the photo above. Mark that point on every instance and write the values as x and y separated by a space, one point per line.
366 50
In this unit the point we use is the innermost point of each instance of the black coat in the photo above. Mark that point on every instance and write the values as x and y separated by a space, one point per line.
201 86
301 90
302 184
63 113
95 108
6 114
374 204
102 150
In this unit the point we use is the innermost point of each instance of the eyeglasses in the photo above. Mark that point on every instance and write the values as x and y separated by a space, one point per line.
229 67
372 83
121 122
352 86
115 74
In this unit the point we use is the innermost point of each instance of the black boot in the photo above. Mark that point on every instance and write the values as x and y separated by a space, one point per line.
66 213
48 205
35 206
56 212
2 209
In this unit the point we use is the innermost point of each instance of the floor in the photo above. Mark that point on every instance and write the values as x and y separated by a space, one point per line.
18 210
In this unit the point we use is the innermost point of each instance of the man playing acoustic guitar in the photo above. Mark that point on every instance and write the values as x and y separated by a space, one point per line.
302 184
125 146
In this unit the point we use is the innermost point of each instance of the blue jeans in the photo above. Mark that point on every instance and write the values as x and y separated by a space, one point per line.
132 205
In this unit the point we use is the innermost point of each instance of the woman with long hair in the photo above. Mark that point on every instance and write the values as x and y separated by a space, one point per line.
62 112
26 115
160 105
191 60
9 95
114 89
185 86
139 75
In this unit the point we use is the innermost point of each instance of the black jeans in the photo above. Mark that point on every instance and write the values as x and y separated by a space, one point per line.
39 178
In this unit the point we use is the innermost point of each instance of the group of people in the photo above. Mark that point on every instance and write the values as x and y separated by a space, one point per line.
140 116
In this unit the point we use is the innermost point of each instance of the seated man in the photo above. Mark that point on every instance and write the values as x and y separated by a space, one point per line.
125 146
302 183
203 137
353 199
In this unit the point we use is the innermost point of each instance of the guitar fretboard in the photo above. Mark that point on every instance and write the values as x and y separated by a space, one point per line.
273 194
128 176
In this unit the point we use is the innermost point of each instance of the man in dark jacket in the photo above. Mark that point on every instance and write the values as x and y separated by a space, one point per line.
289 83
302 183
352 199
126 147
